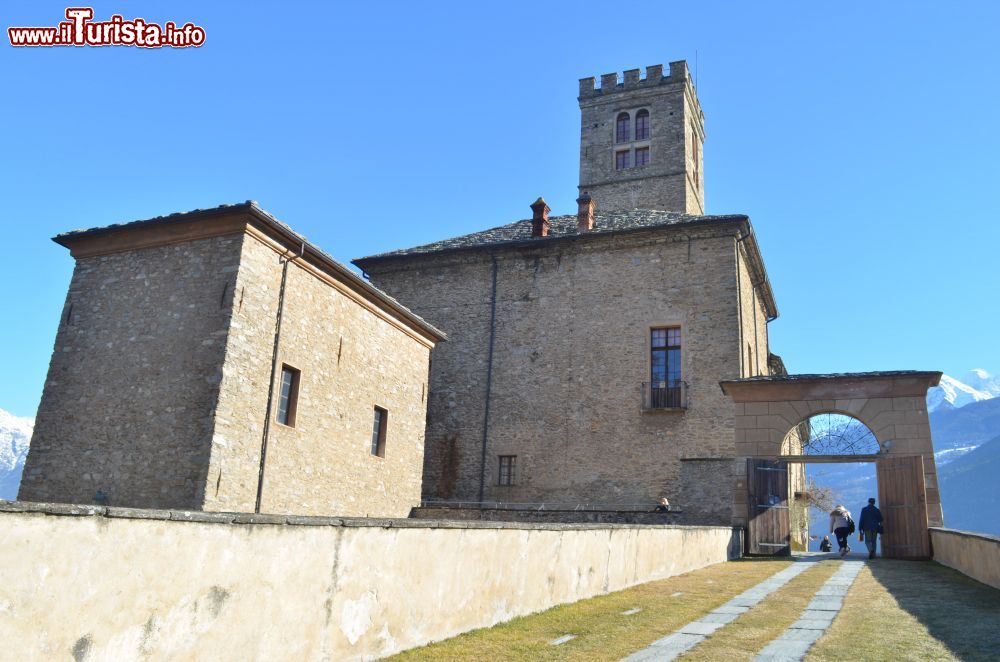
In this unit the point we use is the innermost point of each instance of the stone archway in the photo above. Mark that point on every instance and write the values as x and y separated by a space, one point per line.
891 404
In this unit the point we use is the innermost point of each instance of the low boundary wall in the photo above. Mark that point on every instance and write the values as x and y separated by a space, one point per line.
549 515
974 554
93 583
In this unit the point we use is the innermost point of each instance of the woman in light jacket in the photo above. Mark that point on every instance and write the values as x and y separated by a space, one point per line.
838 527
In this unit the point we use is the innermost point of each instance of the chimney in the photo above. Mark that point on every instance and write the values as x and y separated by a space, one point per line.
539 218
585 215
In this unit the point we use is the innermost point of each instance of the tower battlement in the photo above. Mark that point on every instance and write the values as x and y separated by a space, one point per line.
632 79
641 140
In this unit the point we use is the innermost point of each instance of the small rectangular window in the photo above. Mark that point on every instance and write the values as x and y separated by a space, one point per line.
378 432
288 395
621 160
507 463
641 156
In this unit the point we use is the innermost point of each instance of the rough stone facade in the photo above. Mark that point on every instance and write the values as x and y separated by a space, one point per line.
158 390
550 329
351 360
673 179
128 404
570 324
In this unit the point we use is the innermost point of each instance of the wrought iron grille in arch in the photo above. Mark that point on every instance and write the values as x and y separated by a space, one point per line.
830 434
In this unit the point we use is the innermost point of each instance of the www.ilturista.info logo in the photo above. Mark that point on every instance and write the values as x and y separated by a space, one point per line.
80 30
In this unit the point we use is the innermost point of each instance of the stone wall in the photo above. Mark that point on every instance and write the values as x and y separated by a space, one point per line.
219 586
129 398
673 179
351 360
575 516
894 408
754 345
974 554
570 354
157 394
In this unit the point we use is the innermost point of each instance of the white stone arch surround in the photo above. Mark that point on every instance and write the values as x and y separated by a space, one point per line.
892 405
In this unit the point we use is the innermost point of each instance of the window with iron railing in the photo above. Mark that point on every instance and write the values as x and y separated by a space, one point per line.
655 396
665 389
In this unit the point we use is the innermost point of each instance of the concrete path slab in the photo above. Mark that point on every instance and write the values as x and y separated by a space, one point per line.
684 639
716 617
794 643
826 604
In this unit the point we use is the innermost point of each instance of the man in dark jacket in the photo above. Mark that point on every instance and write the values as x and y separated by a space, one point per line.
870 526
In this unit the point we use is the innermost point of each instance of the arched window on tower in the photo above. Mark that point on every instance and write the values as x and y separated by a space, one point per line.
622 129
642 125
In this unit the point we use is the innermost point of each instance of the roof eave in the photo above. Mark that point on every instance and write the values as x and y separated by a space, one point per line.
284 233
733 219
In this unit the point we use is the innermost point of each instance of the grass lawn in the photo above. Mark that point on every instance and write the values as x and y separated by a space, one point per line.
751 632
602 631
914 610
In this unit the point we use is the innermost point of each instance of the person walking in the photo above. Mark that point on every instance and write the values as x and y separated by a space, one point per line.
841 526
870 525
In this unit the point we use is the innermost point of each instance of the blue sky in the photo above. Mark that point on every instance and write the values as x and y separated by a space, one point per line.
862 140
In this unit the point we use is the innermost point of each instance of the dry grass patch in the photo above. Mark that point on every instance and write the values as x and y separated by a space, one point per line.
602 631
751 632
914 610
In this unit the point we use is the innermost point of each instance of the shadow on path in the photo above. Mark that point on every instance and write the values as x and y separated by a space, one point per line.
961 613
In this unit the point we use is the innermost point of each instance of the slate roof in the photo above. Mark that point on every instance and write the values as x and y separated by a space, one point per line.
835 375
179 216
561 227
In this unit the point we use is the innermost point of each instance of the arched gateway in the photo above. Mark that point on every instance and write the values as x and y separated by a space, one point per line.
770 416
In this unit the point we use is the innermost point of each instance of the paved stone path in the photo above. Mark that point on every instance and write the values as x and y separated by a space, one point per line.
794 643
695 632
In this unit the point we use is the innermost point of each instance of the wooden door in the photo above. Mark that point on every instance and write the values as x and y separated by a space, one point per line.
904 507
768 530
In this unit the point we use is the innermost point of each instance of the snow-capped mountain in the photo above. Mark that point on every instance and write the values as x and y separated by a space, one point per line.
15 435
983 381
952 394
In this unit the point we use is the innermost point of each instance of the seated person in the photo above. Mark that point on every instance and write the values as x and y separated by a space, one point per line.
824 545
663 507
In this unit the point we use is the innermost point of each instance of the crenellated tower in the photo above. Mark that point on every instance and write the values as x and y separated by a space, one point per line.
641 141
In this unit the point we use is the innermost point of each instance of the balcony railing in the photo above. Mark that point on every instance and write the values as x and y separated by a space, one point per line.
658 396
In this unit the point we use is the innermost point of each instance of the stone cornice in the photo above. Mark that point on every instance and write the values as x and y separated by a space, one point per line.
841 386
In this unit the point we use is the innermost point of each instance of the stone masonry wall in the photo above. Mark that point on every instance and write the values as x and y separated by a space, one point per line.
351 360
225 587
754 341
571 351
673 179
131 388
974 554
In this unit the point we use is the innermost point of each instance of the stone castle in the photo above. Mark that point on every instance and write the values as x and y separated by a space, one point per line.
215 360
586 351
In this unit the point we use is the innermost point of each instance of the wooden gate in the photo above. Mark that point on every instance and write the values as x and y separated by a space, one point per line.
904 507
768 531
